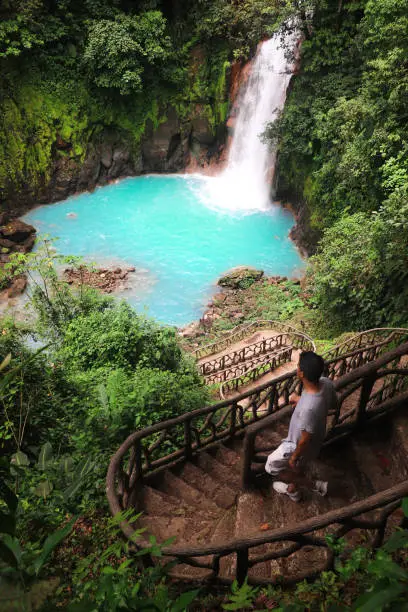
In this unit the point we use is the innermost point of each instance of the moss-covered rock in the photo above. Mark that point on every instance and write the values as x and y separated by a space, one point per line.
240 278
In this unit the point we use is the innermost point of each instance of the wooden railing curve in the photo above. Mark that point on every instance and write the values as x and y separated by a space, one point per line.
241 413
242 331
384 335
267 364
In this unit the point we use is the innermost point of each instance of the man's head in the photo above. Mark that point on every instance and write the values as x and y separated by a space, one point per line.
310 366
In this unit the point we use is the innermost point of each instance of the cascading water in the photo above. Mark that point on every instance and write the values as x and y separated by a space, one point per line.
245 184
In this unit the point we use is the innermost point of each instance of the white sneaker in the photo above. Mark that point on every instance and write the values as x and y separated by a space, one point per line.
320 487
282 488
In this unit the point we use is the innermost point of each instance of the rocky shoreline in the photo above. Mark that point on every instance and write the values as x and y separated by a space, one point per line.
234 303
15 237
107 280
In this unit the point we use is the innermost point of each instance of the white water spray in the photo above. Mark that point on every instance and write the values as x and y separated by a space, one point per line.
246 182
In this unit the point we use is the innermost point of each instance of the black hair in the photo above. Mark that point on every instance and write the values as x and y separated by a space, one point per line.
312 366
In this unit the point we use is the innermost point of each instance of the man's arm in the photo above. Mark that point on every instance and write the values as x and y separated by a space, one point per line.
300 450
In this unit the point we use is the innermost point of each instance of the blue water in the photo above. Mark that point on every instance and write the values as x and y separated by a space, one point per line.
162 226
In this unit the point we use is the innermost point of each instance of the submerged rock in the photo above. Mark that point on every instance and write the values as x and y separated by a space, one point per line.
241 277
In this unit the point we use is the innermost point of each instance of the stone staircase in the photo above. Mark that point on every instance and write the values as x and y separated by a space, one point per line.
200 502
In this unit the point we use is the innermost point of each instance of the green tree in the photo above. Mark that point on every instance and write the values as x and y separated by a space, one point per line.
346 278
119 51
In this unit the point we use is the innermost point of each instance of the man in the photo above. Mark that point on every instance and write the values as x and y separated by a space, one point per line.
307 430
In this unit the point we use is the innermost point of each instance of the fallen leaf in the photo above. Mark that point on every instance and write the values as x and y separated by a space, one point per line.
264 527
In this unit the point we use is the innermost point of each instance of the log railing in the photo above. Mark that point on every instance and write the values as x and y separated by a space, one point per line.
386 336
250 351
246 329
255 369
365 393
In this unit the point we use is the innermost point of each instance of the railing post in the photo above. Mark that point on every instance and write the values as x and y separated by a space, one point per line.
248 451
188 452
242 566
366 388
233 418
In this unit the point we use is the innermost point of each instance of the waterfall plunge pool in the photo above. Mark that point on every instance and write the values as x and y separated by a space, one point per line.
179 238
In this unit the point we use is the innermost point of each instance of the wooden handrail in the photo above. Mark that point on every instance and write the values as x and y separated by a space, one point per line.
355 341
315 523
232 419
366 374
243 330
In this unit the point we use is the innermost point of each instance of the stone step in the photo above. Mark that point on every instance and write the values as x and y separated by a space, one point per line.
250 520
218 471
229 457
375 456
224 532
188 494
161 504
221 494
186 531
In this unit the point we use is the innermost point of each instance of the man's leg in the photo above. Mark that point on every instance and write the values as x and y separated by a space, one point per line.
298 478
278 461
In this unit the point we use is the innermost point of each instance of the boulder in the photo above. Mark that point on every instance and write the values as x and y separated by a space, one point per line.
17 287
240 278
6 244
17 231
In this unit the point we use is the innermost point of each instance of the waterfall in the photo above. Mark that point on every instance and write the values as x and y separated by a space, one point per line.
245 184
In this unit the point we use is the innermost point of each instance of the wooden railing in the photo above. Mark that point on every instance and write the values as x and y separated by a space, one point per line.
255 368
246 329
372 386
245 353
266 363
386 336
374 389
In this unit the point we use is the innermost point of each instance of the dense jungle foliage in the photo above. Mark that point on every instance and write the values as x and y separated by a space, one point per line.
342 142
70 70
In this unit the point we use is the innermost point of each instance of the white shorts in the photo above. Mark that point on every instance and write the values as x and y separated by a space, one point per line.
279 459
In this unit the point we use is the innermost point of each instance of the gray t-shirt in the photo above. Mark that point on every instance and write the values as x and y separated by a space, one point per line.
310 415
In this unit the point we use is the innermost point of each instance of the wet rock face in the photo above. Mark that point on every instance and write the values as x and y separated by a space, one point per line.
111 155
15 237
240 278
16 231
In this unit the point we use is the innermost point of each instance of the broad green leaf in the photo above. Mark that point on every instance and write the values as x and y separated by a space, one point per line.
45 456
51 543
10 550
8 496
181 604
84 467
5 362
86 605
19 460
7 523
67 465
44 488
374 601
398 540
